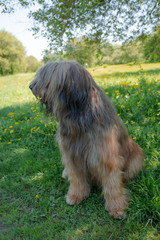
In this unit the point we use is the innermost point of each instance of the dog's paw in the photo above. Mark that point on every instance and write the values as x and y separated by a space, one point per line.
75 199
117 214
116 208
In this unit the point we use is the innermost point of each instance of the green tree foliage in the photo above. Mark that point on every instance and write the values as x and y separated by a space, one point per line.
32 64
12 54
52 57
81 52
59 20
152 46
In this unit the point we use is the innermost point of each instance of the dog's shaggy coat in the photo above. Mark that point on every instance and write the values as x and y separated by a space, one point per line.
93 141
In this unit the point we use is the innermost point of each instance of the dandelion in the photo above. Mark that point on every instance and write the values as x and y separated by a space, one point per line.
37 196
34 110
132 122
107 92
11 131
19 139
38 129
10 126
149 89
134 138
122 106
126 122
158 103
50 123
0 138
16 123
35 117
118 114
9 142
45 125
117 91
32 129
32 107
40 121
5 130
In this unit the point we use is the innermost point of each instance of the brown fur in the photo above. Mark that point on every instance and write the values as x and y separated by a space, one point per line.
93 141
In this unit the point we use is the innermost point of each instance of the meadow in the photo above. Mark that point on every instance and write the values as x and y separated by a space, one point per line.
32 191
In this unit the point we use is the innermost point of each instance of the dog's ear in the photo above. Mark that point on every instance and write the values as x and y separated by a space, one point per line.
76 92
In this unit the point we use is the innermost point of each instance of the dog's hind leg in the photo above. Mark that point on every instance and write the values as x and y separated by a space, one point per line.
134 159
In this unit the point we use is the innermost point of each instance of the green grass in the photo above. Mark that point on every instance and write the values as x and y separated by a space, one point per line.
32 202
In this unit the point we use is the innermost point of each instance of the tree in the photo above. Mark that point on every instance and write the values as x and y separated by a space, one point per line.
12 54
32 64
152 46
49 56
61 20
78 50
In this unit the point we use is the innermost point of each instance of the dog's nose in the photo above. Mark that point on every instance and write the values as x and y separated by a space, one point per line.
31 86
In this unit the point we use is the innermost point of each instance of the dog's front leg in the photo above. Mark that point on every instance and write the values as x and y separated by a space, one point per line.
79 189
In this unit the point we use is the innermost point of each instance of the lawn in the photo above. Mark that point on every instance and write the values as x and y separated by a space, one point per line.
32 202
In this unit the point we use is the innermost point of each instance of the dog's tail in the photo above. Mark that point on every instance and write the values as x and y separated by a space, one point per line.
134 159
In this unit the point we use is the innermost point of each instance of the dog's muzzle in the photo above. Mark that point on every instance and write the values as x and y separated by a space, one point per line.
31 86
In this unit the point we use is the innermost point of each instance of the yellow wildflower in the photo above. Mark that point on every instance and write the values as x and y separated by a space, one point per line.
50 122
16 123
122 106
107 92
126 122
9 142
11 131
134 138
32 129
10 126
37 196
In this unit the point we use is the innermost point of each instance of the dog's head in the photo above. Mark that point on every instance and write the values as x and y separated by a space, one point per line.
69 92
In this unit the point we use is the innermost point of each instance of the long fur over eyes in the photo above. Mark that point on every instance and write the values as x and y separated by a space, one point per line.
93 141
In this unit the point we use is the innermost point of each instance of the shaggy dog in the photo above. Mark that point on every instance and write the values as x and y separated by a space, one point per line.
93 141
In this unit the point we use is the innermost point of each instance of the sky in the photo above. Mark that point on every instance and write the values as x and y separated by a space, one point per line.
18 24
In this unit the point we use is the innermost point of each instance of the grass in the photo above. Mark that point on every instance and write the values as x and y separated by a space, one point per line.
32 203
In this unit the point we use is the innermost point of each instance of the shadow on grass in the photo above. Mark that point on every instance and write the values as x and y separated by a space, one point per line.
30 167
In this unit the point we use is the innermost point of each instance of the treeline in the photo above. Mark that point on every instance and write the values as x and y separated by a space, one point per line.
145 48
13 56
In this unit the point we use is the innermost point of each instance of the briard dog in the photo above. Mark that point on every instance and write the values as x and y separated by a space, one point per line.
93 141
